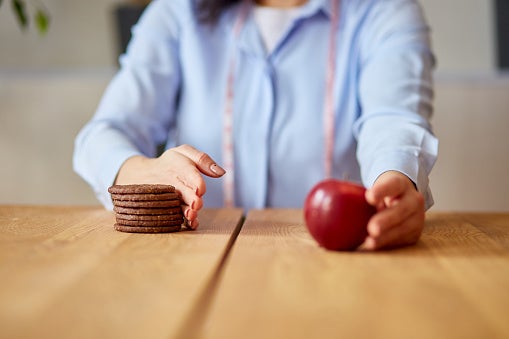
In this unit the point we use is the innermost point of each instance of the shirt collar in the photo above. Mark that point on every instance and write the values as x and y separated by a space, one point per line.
248 37
314 6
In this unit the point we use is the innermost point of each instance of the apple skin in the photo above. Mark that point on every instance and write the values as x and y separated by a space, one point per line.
337 213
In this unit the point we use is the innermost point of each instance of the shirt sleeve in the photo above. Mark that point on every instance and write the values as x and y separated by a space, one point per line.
138 107
396 94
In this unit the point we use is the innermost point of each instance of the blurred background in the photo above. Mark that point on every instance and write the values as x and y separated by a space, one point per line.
50 86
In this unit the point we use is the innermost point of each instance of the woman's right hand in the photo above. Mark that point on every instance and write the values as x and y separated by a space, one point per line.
181 167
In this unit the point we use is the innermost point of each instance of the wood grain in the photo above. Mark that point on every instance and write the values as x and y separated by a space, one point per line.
66 273
279 284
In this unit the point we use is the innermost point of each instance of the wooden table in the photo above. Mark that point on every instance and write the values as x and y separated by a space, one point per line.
65 273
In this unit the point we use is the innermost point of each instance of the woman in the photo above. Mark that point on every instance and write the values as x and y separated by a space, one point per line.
282 94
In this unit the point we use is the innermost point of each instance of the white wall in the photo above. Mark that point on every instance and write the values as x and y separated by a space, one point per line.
472 123
40 115
82 35
463 35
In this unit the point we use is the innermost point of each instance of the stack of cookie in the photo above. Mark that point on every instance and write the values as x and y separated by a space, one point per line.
146 208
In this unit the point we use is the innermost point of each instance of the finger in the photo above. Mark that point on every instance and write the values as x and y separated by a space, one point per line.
407 233
195 223
192 182
191 217
399 210
387 185
392 230
189 195
411 203
183 173
202 160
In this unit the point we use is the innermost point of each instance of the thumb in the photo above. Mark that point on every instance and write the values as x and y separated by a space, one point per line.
202 161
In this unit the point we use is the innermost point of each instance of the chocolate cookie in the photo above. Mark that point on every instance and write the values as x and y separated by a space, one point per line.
135 229
147 208
145 197
147 204
146 211
151 223
141 189
157 217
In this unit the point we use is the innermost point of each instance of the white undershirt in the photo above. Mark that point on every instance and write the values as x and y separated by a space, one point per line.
273 23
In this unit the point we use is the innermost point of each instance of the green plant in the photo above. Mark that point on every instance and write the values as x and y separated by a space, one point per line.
40 14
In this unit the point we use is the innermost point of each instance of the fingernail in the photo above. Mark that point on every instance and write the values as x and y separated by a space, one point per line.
217 170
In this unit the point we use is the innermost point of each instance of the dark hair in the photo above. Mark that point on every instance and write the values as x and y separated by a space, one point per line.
209 11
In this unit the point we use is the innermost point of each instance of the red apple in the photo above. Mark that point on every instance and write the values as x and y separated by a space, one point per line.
337 213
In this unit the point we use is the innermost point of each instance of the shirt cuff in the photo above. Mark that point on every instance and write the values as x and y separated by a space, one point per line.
109 172
402 162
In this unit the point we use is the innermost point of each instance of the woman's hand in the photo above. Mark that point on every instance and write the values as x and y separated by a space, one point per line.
400 217
181 167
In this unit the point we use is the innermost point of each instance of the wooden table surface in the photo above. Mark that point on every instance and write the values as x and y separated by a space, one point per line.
65 273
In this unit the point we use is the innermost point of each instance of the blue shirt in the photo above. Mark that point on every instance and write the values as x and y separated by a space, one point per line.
171 87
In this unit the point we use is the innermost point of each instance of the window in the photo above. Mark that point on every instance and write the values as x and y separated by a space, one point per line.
502 26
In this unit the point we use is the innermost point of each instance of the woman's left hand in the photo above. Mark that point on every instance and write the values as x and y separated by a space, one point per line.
400 217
